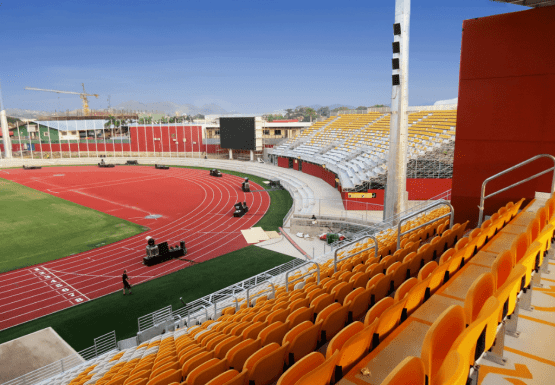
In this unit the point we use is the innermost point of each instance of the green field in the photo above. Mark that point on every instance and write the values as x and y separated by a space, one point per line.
41 227
79 325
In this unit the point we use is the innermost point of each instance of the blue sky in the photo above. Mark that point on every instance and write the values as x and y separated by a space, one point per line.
250 56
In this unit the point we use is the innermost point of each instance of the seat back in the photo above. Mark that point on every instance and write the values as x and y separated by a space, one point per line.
278 315
410 371
273 333
223 347
416 296
519 247
333 320
380 289
359 304
356 347
388 321
300 315
302 341
322 374
446 256
377 310
230 377
299 302
440 337
427 270
340 338
305 365
266 365
253 330
207 371
533 230
404 289
321 302
340 291
237 355
501 268
453 371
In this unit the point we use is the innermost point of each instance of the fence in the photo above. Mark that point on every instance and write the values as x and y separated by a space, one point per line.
102 345
149 320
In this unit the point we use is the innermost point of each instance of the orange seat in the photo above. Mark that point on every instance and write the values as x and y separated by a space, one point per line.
321 302
380 289
169 376
278 315
440 337
377 310
387 321
273 333
237 355
340 291
253 330
353 349
427 270
231 377
302 340
266 365
358 305
300 368
206 372
298 303
502 267
223 347
404 289
333 319
343 336
453 371
300 315
410 371
322 374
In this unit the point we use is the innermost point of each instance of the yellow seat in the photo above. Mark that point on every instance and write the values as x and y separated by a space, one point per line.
302 340
266 365
301 367
410 371
453 371
440 337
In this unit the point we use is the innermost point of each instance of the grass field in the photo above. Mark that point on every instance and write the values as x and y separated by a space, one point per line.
41 227
79 325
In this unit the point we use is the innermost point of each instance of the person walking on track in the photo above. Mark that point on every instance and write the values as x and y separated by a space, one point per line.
126 284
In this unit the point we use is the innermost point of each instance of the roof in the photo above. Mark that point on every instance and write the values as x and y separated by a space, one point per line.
74 125
529 3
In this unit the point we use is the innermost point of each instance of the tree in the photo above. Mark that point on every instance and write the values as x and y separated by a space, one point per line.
361 108
308 114
324 111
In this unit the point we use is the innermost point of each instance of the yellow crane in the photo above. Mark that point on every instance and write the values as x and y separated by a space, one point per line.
83 95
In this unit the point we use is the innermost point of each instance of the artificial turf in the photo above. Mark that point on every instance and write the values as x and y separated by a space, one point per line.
41 227
80 324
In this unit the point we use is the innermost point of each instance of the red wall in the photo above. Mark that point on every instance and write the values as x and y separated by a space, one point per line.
372 204
283 162
424 189
506 108
296 164
142 138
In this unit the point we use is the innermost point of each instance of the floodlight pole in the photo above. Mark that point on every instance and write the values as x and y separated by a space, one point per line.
396 199
5 130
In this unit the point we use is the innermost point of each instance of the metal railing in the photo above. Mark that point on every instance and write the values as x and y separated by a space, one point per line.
483 191
405 218
302 276
335 260
149 320
261 292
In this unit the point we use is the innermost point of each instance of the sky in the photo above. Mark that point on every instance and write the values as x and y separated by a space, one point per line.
247 56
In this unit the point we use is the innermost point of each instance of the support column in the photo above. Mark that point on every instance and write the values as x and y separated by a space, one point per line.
5 130
230 153
398 134
252 155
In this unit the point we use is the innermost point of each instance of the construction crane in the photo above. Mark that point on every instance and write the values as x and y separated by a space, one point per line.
83 95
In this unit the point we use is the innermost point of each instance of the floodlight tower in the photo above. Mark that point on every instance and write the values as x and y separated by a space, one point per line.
5 130
396 199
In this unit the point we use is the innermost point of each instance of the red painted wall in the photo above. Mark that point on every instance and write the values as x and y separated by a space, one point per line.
424 189
506 108
283 162
371 204
296 164
170 137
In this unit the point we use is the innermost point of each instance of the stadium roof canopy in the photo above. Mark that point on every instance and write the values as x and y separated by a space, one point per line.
528 3
74 125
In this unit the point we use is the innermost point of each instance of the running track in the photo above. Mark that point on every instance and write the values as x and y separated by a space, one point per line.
194 206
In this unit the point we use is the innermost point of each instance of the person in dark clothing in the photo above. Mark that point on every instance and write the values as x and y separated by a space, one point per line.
126 284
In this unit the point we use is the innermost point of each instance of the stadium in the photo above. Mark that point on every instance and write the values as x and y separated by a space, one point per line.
406 245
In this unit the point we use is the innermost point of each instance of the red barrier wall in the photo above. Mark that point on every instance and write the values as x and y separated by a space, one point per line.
424 189
296 164
142 138
283 162
506 107
372 204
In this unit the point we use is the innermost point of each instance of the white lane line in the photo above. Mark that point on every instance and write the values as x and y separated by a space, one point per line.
87 298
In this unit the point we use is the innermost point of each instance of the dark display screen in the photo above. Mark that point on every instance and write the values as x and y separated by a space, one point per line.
237 133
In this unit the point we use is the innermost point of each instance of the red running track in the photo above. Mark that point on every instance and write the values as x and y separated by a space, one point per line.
194 206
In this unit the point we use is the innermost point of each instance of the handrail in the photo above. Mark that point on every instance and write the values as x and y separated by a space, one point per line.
335 260
262 292
227 296
440 203
302 276
189 314
483 197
